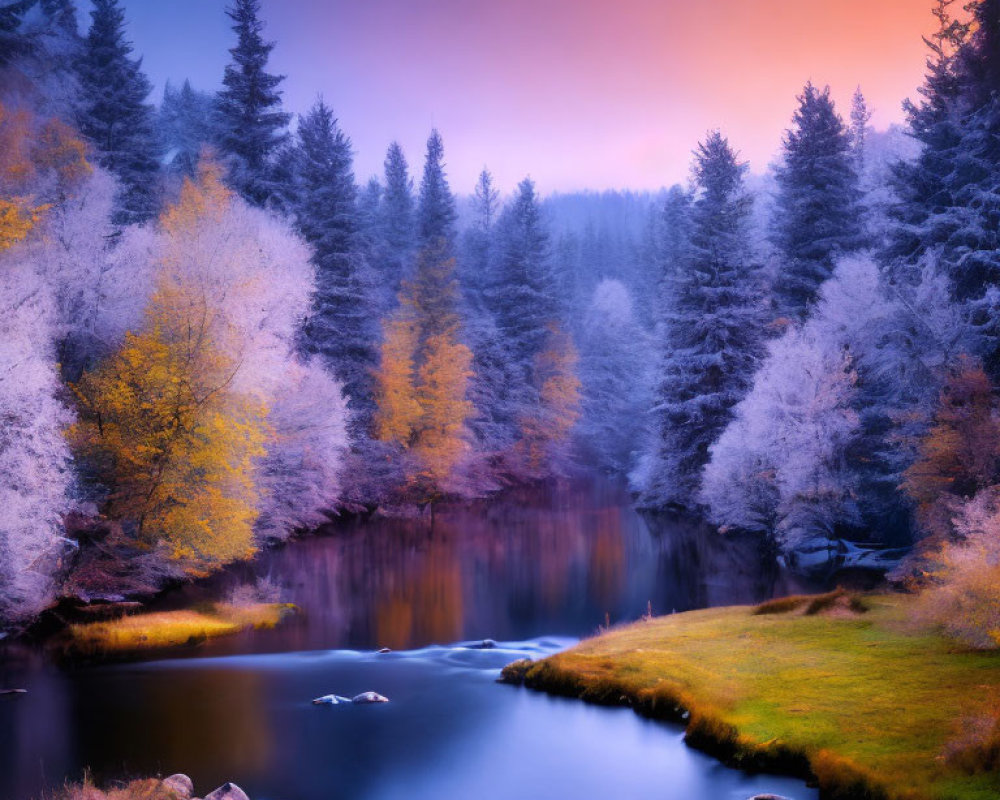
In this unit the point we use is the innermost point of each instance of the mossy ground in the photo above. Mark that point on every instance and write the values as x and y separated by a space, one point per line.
141 632
861 701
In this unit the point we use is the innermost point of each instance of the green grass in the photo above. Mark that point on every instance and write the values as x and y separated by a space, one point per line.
140 632
861 701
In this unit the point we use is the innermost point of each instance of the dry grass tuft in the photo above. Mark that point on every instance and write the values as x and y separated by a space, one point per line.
171 628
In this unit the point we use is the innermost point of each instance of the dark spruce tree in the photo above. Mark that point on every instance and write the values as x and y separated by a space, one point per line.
184 126
397 235
523 294
12 42
436 214
115 116
342 326
252 126
817 210
711 331
949 205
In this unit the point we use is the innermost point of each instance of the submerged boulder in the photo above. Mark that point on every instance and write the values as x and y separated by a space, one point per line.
367 698
228 791
181 785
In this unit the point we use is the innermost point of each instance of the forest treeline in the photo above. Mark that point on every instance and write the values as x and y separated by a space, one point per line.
214 335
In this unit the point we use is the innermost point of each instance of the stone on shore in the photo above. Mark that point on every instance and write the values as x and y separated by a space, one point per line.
228 791
181 785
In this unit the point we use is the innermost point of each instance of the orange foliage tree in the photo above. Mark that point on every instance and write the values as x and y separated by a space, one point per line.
175 444
423 377
960 454
40 161
545 432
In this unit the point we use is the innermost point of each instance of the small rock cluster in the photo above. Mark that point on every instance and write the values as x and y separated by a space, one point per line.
182 786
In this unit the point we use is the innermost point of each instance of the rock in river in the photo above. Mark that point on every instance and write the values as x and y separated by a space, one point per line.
331 700
228 791
366 698
181 785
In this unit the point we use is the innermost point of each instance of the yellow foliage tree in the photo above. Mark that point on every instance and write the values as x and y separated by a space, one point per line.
440 433
423 376
176 448
159 419
545 434
398 410
40 162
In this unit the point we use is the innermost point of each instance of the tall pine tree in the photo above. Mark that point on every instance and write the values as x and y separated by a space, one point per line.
816 216
114 114
396 221
436 214
712 330
950 196
252 126
342 327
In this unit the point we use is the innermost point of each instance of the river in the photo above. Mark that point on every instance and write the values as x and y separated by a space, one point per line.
535 571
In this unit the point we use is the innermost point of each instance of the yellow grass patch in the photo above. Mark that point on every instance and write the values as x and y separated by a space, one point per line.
862 701
171 628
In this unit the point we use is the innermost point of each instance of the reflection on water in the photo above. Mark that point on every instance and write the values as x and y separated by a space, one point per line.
540 564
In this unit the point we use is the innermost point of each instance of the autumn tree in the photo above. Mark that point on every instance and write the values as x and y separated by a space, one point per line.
173 444
960 453
194 423
545 429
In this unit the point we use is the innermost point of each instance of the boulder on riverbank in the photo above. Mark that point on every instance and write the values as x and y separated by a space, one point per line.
181 785
228 791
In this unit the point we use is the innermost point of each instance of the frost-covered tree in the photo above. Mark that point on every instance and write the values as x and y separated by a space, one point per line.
813 452
396 222
523 295
35 473
342 326
712 332
949 201
184 125
616 360
436 214
861 115
115 116
252 126
301 475
816 216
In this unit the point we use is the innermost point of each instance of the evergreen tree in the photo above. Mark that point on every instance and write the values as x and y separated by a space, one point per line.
251 123
396 221
13 42
712 331
478 244
523 297
950 197
816 216
114 114
185 125
342 325
436 215
861 115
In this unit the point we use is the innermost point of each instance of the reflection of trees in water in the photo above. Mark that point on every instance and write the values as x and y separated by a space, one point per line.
550 560
153 729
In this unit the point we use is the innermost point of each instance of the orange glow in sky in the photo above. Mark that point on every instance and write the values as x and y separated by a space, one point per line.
577 93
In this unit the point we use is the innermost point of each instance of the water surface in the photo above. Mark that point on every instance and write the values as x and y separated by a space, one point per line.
534 571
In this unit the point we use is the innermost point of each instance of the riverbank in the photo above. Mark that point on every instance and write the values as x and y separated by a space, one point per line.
850 695
138 633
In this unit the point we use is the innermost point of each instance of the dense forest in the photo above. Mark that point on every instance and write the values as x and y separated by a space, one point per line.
214 335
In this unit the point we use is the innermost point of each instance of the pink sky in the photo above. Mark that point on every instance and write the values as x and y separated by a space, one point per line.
577 93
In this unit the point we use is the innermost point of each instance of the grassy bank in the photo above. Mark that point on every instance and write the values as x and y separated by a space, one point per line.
140 632
843 691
